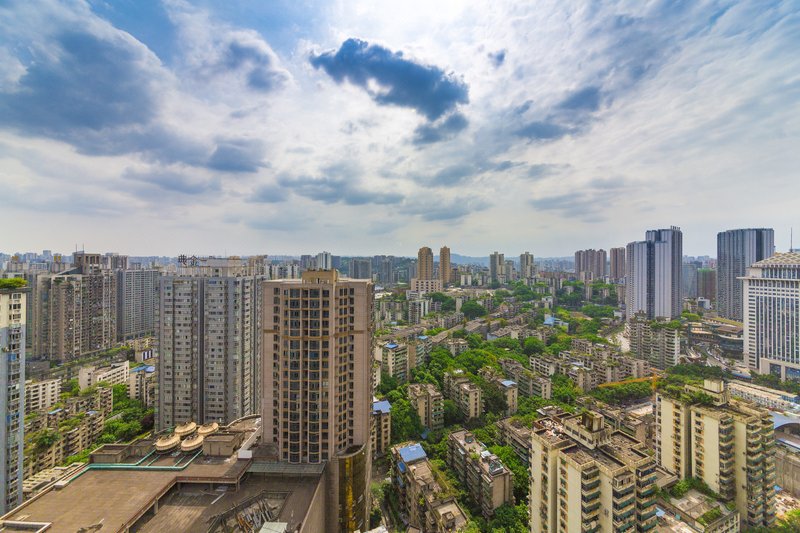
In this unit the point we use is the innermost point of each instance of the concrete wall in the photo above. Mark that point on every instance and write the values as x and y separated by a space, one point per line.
787 467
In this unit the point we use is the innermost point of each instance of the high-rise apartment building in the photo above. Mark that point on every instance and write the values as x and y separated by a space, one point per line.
737 249
707 283
591 261
317 393
689 281
75 312
324 261
653 273
425 263
445 269
207 336
527 269
772 315
361 269
497 267
617 264
589 478
656 341
12 398
137 295
728 443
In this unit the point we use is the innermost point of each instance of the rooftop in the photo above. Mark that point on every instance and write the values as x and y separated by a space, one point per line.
411 453
382 406
780 259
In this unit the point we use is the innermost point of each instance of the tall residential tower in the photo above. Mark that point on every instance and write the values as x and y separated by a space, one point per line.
444 265
653 272
317 375
737 249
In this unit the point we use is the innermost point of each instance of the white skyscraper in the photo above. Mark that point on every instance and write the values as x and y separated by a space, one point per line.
653 270
324 261
772 315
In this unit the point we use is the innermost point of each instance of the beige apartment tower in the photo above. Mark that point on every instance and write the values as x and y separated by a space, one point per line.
425 263
727 443
317 384
445 269
584 477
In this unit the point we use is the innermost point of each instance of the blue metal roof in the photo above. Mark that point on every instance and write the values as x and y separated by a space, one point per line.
422 337
550 321
411 453
508 383
383 406
391 346
780 419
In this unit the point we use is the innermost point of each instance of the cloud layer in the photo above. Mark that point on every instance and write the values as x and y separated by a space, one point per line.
377 129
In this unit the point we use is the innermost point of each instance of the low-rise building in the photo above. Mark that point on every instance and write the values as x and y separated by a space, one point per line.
394 360
702 513
381 427
529 383
429 404
426 500
466 394
115 374
489 482
773 399
142 382
457 346
41 395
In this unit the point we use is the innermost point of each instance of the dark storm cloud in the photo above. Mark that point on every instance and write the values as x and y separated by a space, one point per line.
427 89
441 130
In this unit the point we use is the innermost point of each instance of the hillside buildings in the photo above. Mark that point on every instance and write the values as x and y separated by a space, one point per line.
656 341
466 394
381 427
429 504
591 479
12 396
736 250
772 315
428 402
208 334
317 384
653 271
489 483
727 443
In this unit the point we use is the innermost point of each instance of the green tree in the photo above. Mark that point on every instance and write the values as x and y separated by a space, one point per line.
509 519
452 415
388 383
406 424
472 309
533 346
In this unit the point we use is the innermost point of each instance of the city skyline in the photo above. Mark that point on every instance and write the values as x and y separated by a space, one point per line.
550 127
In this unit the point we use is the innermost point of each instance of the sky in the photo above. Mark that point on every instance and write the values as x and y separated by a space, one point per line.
363 127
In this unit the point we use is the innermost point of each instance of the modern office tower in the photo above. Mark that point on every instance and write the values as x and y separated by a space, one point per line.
593 261
527 270
12 399
425 263
317 394
617 264
361 269
489 483
444 265
589 478
137 294
207 337
737 249
653 274
689 281
656 341
707 283
428 403
772 315
75 312
702 433
324 261
497 267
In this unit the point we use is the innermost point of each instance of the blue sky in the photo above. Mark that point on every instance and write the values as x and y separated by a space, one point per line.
370 127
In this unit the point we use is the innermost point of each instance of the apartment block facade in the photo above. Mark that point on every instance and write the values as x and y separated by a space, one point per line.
41 394
737 250
727 443
12 398
317 393
429 404
489 483
137 297
466 394
208 336
653 274
584 477
655 341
